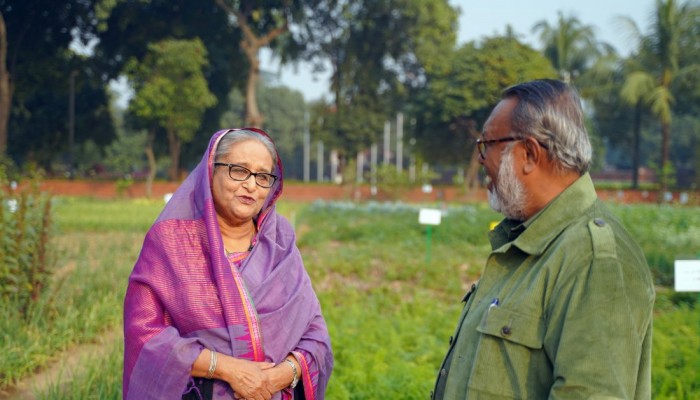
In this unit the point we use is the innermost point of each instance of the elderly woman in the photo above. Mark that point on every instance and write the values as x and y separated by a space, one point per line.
219 305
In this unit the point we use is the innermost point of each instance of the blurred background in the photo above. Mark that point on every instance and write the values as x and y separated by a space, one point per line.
352 91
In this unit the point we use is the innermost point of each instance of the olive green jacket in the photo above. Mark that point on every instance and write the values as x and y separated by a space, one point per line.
563 310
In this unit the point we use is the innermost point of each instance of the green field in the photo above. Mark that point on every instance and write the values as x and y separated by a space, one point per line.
390 306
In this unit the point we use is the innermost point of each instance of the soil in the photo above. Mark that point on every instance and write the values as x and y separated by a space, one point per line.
66 364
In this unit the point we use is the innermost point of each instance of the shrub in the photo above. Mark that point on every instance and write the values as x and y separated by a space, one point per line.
25 260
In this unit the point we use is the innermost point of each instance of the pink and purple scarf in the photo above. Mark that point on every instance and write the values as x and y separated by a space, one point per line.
184 295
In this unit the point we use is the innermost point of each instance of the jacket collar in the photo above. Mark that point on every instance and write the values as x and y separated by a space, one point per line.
534 235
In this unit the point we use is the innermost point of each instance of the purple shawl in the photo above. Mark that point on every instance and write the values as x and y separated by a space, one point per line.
184 296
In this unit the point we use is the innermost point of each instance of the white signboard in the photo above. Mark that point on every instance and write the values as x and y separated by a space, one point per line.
687 275
429 216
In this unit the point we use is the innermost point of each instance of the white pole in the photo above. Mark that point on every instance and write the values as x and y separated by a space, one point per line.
360 166
373 168
307 148
334 167
319 161
387 142
399 142
412 169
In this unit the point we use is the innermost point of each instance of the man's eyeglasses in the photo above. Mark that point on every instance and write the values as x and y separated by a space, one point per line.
239 173
481 144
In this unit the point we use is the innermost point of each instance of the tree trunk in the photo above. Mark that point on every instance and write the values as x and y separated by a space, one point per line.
636 140
151 157
253 118
175 144
665 143
5 88
251 45
470 177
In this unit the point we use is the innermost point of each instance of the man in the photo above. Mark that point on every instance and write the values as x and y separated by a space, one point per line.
563 309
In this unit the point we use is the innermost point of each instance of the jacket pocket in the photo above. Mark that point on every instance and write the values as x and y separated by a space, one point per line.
514 327
510 361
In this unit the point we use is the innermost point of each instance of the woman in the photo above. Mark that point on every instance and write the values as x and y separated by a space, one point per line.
219 305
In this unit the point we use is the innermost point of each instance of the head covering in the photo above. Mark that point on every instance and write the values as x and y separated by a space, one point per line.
185 295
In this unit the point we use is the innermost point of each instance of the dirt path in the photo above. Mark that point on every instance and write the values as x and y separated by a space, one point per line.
66 365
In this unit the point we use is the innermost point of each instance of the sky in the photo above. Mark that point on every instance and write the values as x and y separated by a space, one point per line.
480 18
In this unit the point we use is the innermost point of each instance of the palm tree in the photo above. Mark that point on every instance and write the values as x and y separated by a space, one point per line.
570 45
649 83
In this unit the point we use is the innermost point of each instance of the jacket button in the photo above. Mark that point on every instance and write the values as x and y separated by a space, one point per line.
443 372
599 221
505 331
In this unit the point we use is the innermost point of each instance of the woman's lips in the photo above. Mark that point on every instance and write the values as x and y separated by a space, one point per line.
246 199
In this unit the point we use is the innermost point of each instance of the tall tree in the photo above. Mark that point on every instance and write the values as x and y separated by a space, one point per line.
261 23
171 91
284 120
127 27
5 87
612 118
570 45
454 105
378 50
658 65
35 36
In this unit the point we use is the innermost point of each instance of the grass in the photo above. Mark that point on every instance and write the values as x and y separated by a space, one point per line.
390 310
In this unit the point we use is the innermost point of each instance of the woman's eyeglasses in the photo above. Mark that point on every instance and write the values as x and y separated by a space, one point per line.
240 173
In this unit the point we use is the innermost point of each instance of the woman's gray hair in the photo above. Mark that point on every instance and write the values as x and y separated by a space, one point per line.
550 111
236 136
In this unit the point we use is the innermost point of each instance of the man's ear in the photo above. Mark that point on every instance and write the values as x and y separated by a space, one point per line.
535 154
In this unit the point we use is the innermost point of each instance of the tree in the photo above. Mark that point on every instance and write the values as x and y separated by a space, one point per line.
454 105
649 84
5 87
172 92
284 120
378 50
261 23
126 28
570 45
35 65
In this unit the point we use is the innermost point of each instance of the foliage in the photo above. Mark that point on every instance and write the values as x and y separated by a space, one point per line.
657 66
96 246
41 66
570 45
676 340
171 91
267 23
378 50
665 234
125 155
454 105
126 29
367 264
284 111
98 376
26 259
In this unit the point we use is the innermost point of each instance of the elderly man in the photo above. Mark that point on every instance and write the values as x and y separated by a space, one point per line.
563 309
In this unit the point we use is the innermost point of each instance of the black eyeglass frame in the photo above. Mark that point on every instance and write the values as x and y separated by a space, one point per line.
254 174
481 144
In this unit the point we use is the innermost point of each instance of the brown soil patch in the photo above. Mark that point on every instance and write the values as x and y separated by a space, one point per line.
67 365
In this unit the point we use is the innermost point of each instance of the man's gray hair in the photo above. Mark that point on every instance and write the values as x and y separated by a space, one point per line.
236 136
550 111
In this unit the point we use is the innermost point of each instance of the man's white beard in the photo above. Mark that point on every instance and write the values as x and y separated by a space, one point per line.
507 196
